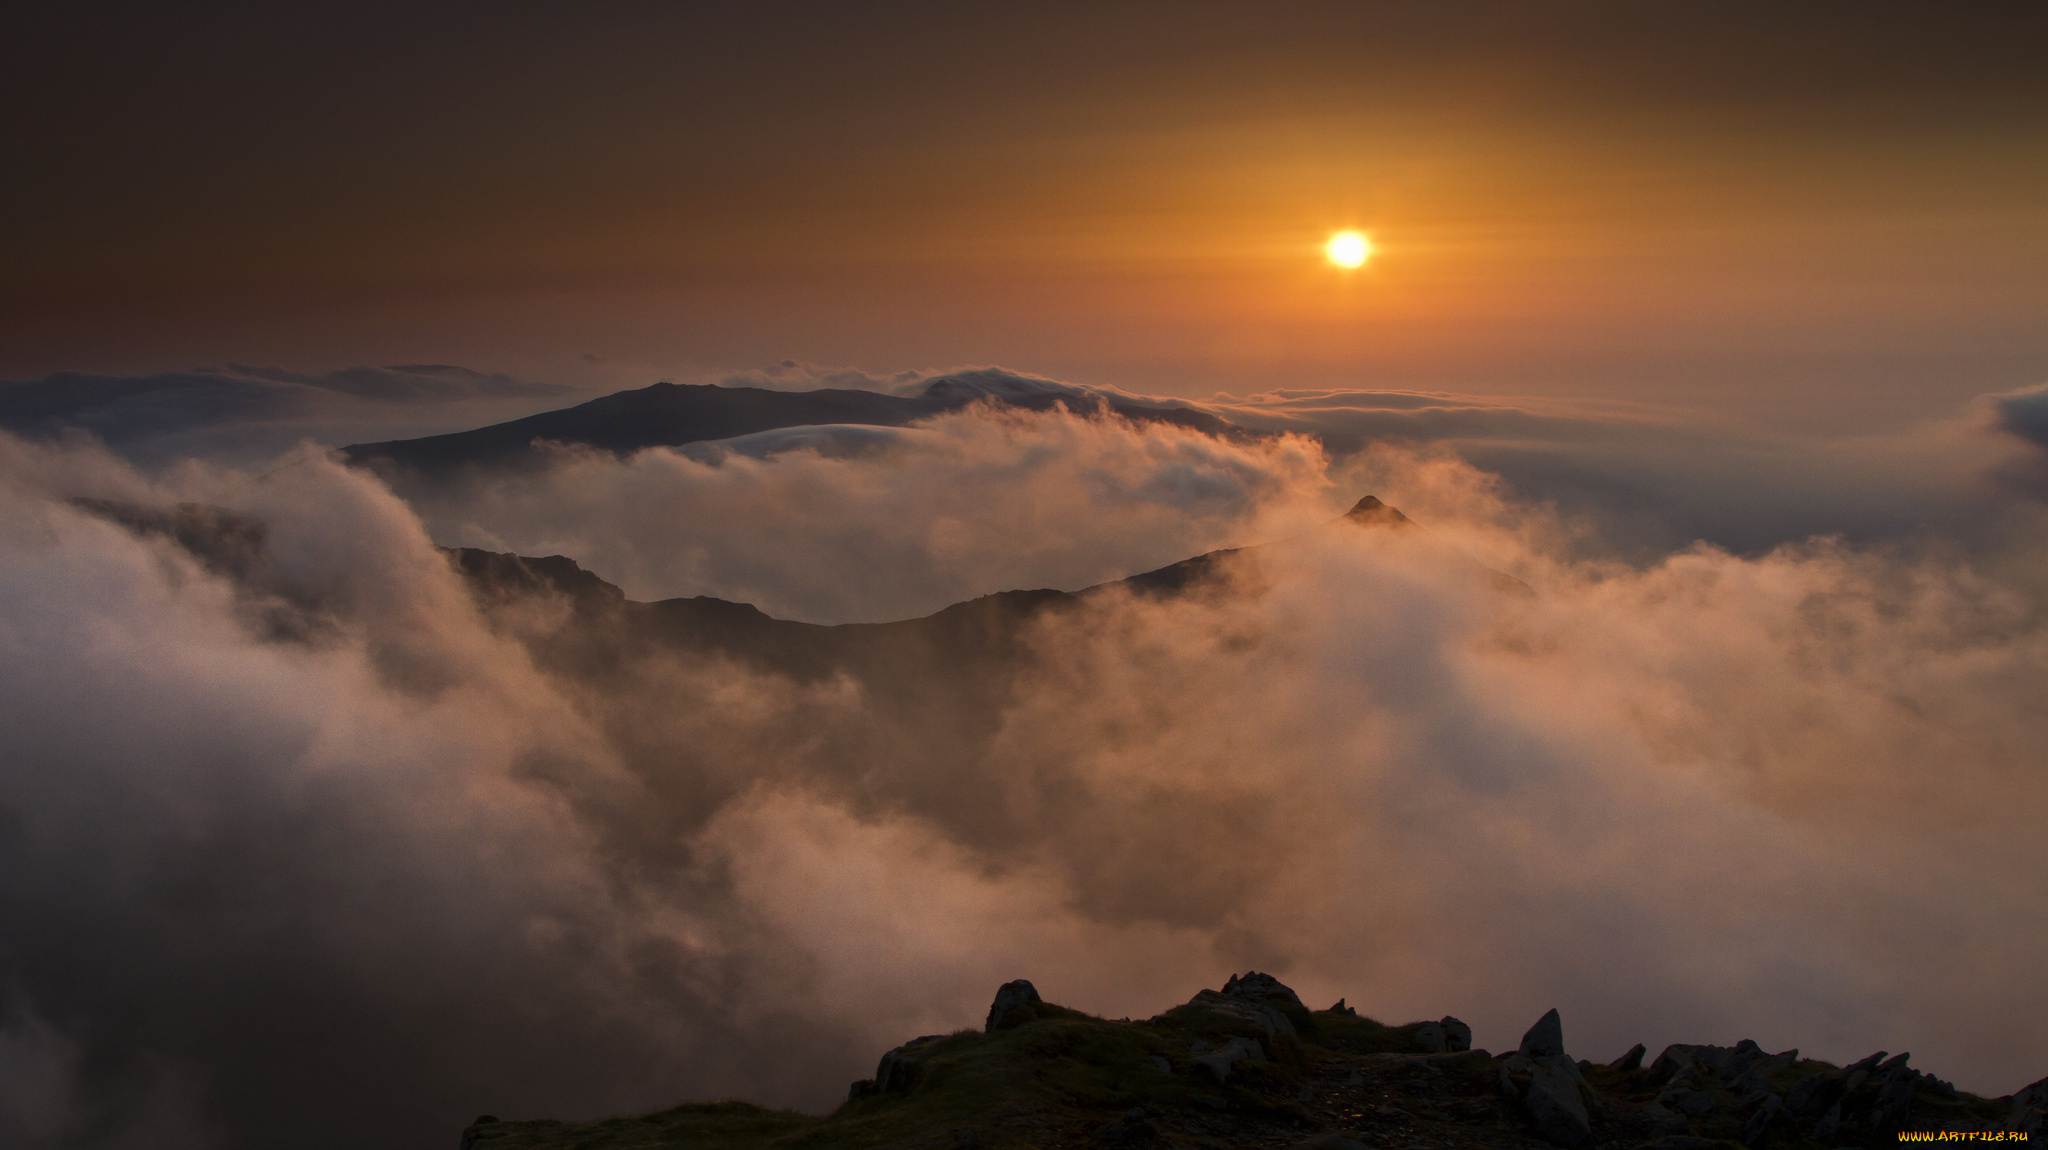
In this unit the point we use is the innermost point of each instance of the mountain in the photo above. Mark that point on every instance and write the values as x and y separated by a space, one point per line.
1251 1065
954 660
942 677
671 415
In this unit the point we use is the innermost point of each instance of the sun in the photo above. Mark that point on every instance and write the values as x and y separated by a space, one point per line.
1348 249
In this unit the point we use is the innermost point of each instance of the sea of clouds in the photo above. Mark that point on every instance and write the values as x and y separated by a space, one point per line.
317 852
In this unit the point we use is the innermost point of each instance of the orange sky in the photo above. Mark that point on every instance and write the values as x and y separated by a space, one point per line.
1836 214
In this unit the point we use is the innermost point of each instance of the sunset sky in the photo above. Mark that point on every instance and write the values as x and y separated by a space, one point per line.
1834 213
1705 345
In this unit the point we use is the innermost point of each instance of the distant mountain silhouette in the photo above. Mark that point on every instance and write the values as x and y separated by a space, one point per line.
978 633
671 415
1252 1065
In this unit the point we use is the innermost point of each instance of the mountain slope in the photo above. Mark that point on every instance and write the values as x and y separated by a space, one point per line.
670 415
1251 1066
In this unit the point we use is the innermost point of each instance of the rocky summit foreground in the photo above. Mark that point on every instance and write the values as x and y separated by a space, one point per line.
1250 1066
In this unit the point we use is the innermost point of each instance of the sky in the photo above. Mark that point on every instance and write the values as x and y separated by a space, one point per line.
1719 328
1829 214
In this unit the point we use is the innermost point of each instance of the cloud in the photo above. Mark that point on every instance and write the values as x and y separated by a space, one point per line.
322 836
251 413
1636 483
872 524
1643 480
2024 413
790 375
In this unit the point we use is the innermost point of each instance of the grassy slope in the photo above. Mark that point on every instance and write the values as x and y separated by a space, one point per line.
1064 1079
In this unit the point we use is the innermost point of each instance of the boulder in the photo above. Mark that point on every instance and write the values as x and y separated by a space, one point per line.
1263 991
1830 1124
1698 1103
1895 1095
1546 1037
898 1070
1753 1130
1457 1035
1662 1120
2029 1108
1811 1096
1556 1111
1010 996
1552 1092
1431 1038
1631 1061
1676 1059
1268 1016
469 1135
1261 988
1233 1052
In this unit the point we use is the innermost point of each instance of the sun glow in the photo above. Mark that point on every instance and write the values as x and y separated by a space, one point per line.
1348 249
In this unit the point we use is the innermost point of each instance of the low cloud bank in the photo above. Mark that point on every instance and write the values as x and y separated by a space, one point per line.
319 851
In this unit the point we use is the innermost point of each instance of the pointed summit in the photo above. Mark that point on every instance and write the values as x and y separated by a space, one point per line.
1370 512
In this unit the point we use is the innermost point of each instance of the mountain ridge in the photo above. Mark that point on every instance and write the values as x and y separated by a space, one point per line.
1251 1066
673 415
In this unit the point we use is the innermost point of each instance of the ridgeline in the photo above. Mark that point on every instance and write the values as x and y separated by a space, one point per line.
1250 1066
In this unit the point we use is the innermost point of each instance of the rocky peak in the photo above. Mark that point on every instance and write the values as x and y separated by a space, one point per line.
1370 512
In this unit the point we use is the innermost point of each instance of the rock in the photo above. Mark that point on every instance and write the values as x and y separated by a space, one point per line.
862 1089
1676 1059
1556 1111
895 1072
1698 1103
1633 1060
2034 1094
469 1136
1008 997
1164 1066
1662 1120
1546 1037
1457 1035
1811 1096
1277 1023
1753 1130
1830 1124
1268 1016
1895 1096
1430 1037
1340 1008
2028 1103
1232 1053
1261 988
